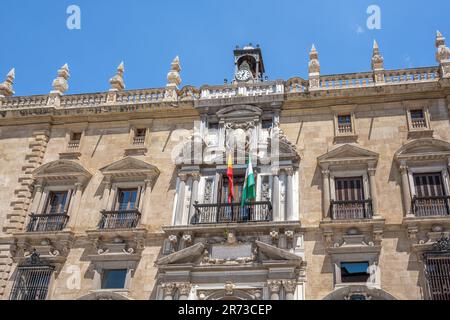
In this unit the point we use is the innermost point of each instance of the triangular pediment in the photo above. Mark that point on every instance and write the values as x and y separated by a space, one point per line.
424 149
129 166
62 170
348 154
275 253
187 255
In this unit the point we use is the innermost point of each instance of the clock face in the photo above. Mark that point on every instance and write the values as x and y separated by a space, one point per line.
243 75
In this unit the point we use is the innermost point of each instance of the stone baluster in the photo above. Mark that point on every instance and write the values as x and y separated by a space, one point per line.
274 289
405 188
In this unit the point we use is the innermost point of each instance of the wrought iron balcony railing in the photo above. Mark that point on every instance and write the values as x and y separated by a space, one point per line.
431 206
232 213
47 222
351 210
127 219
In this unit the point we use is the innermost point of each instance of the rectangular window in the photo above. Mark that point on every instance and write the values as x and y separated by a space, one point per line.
114 279
74 141
354 272
267 124
213 126
429 185
345 124
349 189
139 136
430 199
418 119
31 283
127 199
57 202
437 271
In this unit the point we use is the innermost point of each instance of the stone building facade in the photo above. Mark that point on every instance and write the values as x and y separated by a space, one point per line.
123 194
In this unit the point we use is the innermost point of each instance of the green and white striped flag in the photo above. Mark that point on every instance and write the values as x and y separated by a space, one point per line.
249 192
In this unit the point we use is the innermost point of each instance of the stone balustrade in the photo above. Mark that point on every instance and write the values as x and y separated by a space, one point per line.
189 93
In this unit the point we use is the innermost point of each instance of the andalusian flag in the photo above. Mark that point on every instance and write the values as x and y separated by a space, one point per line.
249 191
230 179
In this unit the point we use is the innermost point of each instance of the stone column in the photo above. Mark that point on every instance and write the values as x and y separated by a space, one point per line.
146 200
289 195
37 199
326 193
184 290
289 288
106 193
194 197
169 290
373 191
405 188
74 208
180 205
274 289
276 196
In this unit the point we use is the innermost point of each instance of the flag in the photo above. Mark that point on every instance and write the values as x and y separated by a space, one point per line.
249 191
230 179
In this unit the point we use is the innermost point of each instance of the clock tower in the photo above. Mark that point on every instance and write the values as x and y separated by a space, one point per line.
249 64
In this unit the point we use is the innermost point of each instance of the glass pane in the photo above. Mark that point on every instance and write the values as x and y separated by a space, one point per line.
417 114
127 199
57 202
354 272
114 279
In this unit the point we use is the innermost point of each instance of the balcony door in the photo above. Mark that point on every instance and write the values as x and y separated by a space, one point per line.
127 199
57 203
350 199
238 186
430 197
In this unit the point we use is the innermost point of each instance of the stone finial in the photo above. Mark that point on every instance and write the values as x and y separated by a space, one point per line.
117 82
60 84
314 69
443 52
173 77
314 64
377 58
6 87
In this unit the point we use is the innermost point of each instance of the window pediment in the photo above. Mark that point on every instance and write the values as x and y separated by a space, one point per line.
348 155
240 111
62 170
424 149
130 168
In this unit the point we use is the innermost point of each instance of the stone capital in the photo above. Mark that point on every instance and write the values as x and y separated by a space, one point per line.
289 285
184 288
169 288
274 286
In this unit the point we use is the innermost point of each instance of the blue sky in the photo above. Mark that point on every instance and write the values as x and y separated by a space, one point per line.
147 35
